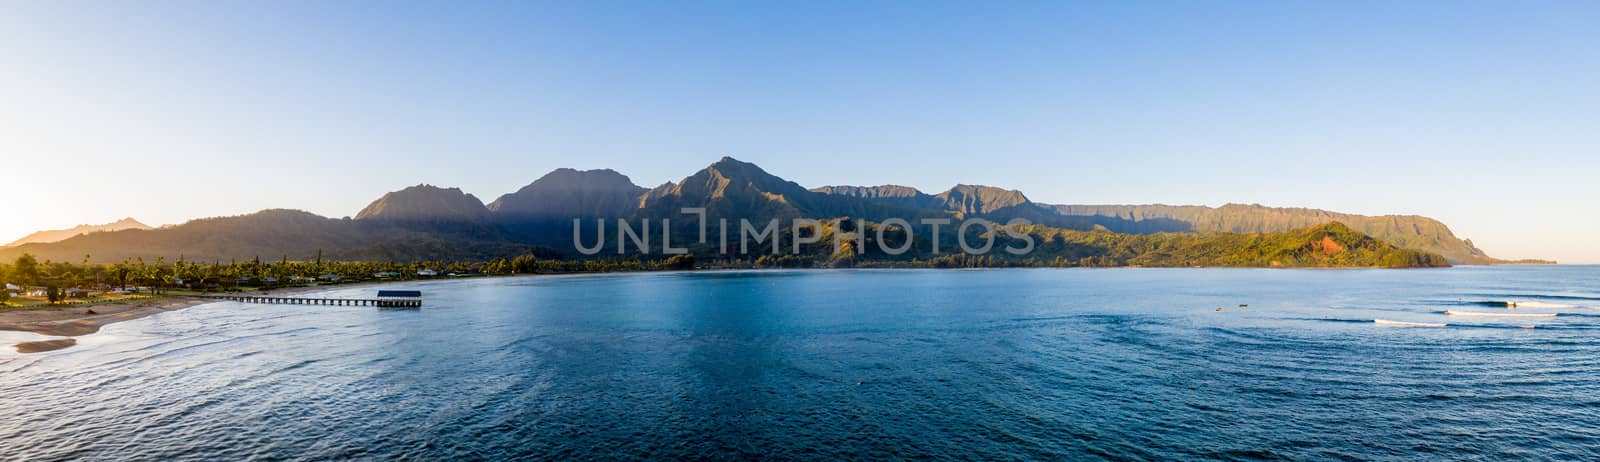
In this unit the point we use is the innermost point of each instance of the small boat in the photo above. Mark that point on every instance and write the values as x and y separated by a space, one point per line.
1500 315
1385 322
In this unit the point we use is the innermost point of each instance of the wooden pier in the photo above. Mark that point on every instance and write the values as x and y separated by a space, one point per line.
382 302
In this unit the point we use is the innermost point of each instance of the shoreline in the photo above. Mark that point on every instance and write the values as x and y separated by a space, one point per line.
76 320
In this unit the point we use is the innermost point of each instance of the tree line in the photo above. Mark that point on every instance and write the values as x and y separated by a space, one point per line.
1329 245
161 275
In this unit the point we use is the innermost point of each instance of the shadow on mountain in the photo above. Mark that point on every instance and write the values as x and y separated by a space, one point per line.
425 222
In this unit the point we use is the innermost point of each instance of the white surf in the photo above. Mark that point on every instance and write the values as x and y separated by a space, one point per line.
1499 315
1385 322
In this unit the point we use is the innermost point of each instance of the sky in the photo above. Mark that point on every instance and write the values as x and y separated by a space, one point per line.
1484 115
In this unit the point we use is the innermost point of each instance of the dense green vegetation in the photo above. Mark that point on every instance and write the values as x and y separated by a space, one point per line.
163 276
1330 245
1404 231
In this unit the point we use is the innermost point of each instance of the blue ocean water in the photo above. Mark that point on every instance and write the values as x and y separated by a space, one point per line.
846 364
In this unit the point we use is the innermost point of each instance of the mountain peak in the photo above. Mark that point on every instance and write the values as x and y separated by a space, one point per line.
980 199
603 179
567 193
425 203
735 168
129 222
730 173
57 235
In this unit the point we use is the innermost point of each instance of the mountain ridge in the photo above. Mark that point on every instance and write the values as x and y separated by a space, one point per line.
429 219
57 235
427 208
1407 231
567 193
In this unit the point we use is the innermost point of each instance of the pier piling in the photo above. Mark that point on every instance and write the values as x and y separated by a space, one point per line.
378 302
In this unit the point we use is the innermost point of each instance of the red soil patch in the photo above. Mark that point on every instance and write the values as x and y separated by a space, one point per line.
1329 247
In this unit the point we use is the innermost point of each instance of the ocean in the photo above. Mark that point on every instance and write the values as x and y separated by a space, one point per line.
993 364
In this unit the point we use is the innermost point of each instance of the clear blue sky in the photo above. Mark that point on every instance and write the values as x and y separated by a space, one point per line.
1484 115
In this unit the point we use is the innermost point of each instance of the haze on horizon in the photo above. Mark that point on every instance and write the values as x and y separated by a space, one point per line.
1481 115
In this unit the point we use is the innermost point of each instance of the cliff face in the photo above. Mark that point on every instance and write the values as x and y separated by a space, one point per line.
1405 231
904 196
980 200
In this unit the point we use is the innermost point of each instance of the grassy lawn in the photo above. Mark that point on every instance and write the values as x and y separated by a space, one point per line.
32 302
19 302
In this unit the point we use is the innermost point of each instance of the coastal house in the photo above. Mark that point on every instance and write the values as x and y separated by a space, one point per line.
269 281
14 289
427 273
302 280
386 274
330 277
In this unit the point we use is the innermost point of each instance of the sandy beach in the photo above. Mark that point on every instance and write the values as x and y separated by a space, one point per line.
76 320
85 319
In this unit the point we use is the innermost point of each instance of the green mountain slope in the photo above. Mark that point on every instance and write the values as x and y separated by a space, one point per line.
1331 245
1326 245
1405 231
269 234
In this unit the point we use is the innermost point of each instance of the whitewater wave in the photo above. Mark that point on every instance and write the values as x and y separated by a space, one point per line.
1499 315
1521 304
1385 322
